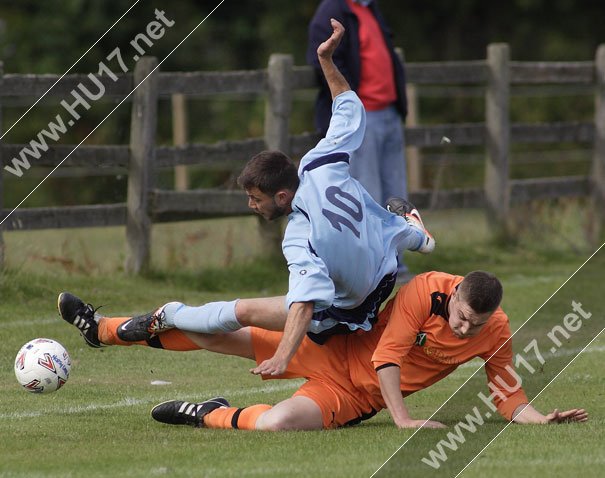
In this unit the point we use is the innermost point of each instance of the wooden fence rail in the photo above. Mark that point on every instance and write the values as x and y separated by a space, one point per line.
142 158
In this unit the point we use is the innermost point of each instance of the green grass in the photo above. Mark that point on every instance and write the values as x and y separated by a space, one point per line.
99 424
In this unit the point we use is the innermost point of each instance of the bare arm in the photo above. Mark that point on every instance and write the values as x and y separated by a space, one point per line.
526 414
389 378
297 324
336 82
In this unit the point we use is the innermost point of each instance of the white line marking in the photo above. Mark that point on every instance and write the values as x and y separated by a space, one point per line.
130 402
291 384
558 353
28 323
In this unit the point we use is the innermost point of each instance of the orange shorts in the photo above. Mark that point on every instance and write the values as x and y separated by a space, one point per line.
326 368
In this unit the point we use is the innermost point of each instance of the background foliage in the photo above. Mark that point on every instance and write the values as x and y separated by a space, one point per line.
48 37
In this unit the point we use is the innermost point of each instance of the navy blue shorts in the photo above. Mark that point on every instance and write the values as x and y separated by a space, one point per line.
368 309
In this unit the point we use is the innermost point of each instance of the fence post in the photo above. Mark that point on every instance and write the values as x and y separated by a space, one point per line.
598 158
277 134
179 137
497 124
2 247
412 154
140 170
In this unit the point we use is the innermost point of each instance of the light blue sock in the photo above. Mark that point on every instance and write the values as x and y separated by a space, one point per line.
414 239
421 239
210 318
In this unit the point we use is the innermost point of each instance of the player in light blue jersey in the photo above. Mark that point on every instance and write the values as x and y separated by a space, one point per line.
340 245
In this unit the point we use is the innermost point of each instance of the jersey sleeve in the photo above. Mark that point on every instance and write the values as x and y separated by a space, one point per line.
309 279
346 130
410 310
504 383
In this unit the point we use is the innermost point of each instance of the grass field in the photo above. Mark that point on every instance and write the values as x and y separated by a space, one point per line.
99 424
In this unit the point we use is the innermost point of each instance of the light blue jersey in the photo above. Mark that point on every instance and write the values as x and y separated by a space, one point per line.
339 243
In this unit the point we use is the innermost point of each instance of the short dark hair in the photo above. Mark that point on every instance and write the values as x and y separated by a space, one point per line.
482 291
269 171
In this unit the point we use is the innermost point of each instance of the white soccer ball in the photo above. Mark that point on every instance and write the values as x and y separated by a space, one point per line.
42 366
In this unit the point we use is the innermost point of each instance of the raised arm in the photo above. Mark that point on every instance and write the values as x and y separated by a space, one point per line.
336 82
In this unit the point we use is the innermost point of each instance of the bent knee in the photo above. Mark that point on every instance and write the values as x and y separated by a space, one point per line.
244 309
272 423
212 342
277 419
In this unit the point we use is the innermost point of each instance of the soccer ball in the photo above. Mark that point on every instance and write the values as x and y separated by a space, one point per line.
42 366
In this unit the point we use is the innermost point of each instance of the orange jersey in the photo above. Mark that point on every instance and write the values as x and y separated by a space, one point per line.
413 333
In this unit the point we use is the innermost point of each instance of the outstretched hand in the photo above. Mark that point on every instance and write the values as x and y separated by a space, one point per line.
411 423
327 48
573 415
273 366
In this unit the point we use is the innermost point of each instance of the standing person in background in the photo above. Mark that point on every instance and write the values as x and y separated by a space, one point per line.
367 59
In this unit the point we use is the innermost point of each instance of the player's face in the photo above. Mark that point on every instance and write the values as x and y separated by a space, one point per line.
265 205
463 320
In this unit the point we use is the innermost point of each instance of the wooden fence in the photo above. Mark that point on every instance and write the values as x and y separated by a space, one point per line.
146 204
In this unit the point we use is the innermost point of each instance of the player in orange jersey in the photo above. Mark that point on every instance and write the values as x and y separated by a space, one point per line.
435 323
